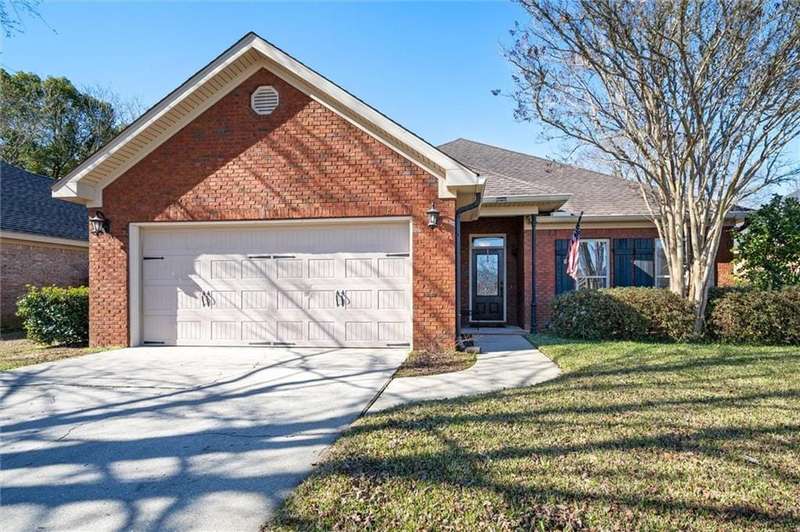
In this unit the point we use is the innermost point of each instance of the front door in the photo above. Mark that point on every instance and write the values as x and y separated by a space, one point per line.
488 291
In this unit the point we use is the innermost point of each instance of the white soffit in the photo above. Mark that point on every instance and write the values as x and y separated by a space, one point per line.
218 78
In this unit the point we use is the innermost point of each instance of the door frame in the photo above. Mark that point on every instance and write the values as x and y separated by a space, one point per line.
472 236
135 239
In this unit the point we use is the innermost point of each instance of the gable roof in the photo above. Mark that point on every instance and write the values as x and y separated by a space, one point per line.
218 78
28 207
511 173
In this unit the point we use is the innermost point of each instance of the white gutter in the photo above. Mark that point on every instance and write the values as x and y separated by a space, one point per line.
33 237
555 218
527 198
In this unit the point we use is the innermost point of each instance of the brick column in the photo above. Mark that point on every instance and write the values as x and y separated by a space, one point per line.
527 275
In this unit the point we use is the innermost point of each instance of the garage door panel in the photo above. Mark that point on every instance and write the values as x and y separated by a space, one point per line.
325 286
256 299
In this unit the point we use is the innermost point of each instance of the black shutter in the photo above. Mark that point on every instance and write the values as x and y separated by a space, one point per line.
623 262
644 267
634 262
564 283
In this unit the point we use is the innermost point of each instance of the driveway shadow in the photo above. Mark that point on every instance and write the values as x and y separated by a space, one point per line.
107 447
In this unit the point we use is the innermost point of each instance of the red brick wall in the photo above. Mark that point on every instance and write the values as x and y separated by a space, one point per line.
24 262
724 262
512 227
302 161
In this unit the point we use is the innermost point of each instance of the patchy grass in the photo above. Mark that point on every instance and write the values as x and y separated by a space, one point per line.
17 351
421 363
632 436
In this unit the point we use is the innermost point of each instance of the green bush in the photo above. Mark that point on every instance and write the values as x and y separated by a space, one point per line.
752 316
55 315
622 314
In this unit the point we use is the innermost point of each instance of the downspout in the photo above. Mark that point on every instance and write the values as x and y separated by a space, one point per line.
459 212
533 273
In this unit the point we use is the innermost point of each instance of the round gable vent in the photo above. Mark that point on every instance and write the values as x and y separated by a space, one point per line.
264 100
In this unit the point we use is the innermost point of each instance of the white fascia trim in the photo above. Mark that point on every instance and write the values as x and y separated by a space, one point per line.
156 112
31 237
558 218
527 198
71 188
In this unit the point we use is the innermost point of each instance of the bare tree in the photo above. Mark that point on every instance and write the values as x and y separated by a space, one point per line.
696 100
13 12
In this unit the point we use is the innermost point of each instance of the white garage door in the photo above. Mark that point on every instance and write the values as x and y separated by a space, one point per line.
303 285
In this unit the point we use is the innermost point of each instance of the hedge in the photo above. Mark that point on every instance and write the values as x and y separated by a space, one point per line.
55 315
622 314
748 315
735 315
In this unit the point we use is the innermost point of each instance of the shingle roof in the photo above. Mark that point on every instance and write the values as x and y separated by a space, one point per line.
513 173
26 206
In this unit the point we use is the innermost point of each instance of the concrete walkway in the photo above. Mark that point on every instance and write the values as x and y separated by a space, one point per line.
505 362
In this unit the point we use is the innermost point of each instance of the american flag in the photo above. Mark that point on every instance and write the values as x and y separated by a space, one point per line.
574 246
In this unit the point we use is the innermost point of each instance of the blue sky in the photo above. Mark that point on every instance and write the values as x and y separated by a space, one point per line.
430 66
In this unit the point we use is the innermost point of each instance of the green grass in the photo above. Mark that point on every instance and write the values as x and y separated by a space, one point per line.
632 436
421 363
17 351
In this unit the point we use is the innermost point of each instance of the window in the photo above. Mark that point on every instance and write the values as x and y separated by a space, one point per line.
593 264
662 270
487 242
487 275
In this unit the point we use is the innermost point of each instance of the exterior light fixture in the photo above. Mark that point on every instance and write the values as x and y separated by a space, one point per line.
98 224
433 216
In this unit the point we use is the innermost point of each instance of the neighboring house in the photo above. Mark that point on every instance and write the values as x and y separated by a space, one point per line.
795 195
43 241
261 204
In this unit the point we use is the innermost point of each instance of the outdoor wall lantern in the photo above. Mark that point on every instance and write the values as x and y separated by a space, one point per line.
98 224
433 216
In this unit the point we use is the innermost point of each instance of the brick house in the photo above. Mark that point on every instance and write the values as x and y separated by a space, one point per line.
261 204
43 241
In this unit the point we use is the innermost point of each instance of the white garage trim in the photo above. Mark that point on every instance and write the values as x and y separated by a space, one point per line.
136 241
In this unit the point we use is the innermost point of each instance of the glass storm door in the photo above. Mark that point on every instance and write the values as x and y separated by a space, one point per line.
488 292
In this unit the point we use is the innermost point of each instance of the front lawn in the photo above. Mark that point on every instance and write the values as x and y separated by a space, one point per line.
632 436
17 351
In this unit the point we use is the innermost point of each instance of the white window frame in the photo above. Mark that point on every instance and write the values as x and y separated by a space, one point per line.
657 264
607 276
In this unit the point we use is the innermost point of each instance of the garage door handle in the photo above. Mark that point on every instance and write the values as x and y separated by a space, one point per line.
206 298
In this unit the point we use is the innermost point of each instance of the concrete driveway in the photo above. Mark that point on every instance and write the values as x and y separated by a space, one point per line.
173 438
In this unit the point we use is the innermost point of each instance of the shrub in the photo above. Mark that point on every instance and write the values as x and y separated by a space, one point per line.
623 314
55 315
594 315
749 315
668 316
